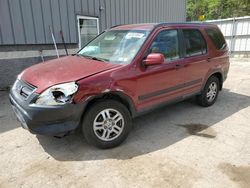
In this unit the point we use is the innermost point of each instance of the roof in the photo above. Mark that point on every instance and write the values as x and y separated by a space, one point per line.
143 26
150 26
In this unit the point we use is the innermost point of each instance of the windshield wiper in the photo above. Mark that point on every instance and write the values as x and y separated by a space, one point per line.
92 57
98 59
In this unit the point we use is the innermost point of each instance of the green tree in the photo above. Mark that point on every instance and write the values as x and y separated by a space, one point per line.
217 9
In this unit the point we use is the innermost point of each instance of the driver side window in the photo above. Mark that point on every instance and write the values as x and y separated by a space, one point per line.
166 43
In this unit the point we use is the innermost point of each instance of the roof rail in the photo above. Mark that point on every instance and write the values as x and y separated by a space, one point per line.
183 23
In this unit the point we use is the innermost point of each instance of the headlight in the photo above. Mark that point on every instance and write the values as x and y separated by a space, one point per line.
58 94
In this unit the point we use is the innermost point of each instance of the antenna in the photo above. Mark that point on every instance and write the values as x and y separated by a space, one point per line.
61 33
54 41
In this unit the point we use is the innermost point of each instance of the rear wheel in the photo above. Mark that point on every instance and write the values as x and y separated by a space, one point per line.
209 93
106 124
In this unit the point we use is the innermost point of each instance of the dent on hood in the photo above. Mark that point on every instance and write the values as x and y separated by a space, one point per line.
63 70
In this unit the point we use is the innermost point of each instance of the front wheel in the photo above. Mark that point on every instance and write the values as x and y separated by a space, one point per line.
106 124
209 93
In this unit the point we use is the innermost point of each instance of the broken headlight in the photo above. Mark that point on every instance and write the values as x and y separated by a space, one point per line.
58 94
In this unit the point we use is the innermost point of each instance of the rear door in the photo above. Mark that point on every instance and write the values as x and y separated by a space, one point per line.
196 59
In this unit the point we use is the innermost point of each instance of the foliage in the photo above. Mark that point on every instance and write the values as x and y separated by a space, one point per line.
217 9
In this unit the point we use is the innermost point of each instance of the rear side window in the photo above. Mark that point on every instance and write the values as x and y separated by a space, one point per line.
194 42
216 36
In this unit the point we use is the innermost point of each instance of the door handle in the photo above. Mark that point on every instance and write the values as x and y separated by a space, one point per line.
178 66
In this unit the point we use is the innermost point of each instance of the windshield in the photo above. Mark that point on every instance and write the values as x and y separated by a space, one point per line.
116 46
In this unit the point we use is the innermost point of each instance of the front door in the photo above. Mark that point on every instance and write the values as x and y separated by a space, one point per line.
159 83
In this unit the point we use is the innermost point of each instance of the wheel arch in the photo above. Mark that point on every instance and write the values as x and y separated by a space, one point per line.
115 95
217 74
220 77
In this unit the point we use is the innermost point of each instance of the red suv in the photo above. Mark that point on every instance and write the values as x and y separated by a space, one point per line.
123 72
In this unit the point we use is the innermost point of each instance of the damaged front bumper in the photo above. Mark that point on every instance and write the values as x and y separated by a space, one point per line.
45 120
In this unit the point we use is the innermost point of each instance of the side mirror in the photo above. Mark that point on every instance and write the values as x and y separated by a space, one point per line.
154 59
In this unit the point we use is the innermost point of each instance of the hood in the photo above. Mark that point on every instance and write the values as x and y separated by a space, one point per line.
66 69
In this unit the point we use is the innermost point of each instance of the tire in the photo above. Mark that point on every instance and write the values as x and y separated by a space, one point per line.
106 124
205 99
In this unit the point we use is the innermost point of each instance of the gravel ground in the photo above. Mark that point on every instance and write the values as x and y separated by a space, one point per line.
181 145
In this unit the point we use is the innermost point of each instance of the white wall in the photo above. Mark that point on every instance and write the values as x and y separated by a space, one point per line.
236 32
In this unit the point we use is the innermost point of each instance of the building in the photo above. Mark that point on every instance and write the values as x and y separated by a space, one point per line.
26 27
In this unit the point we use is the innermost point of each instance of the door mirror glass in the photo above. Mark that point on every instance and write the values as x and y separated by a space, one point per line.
154 59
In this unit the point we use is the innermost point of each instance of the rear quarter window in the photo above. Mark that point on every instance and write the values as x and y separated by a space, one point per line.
217 38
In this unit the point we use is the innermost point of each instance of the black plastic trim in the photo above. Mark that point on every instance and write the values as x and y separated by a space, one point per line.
163 104
170 89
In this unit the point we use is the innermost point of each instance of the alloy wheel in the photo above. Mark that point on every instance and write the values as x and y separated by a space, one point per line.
212 92
108 124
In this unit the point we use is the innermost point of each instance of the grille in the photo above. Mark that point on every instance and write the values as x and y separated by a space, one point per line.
23 89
